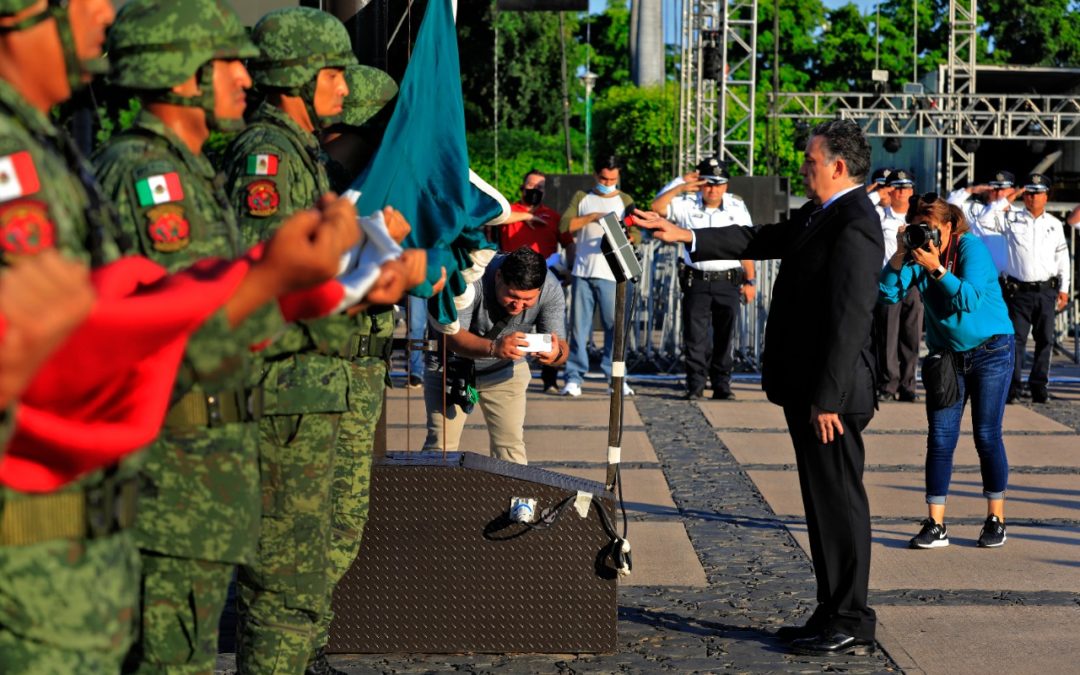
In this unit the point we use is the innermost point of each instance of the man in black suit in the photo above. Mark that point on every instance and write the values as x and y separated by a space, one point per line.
817 365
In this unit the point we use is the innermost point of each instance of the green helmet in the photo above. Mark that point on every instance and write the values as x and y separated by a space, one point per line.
56 9
13 7
296 43
157 44
369 90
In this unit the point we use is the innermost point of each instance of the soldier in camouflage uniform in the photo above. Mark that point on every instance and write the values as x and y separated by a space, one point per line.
68 568
369 90
274 168
200 497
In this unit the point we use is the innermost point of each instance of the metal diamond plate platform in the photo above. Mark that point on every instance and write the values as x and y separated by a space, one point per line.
442 569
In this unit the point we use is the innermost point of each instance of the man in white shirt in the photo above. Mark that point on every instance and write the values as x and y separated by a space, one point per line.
897 327
712 289
879 191
1037 269
593 283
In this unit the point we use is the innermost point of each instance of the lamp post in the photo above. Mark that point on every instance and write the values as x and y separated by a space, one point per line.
588 78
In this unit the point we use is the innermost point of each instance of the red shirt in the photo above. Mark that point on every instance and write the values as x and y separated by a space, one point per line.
543 239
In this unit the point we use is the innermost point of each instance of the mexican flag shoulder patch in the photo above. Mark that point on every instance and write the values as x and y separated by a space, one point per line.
160 189
262 165
18 176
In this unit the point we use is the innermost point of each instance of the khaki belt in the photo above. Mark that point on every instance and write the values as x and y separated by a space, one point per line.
200 409
94 512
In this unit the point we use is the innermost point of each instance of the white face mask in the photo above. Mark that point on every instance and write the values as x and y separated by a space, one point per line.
605 189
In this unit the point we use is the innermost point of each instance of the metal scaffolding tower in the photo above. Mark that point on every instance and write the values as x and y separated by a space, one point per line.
718 79
957 116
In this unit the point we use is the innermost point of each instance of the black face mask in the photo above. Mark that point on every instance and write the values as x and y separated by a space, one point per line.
532 197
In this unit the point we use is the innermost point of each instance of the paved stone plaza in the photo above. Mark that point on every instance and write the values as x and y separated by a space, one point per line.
719 543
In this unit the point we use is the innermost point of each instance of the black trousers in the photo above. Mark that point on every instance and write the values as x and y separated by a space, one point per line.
837 520
1033 311
705 305
897 333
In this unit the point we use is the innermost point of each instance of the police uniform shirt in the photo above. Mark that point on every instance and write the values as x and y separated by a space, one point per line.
890 226
689 212
1036 247
983 221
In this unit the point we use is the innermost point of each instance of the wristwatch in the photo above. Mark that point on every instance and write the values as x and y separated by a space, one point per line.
748 282
938 273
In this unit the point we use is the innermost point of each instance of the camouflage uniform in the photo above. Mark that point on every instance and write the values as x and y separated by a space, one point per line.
369 90
275 168
68 568
200 498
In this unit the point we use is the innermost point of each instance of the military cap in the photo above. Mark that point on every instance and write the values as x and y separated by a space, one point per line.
1003 179
1037 182
714 171
901 179
296 43
879 176
157 44
369 90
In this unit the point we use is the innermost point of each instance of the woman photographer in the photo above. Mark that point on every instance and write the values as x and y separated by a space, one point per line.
969 333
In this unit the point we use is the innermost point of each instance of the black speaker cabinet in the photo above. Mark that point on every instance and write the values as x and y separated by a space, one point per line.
443 569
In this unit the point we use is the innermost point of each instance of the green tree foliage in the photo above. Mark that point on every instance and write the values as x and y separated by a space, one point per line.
607 37
638 125
520 150
529 63
1046 33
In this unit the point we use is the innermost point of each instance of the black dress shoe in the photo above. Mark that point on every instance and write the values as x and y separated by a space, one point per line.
1039 395
694 395
789 633
832 642
907 396
723 395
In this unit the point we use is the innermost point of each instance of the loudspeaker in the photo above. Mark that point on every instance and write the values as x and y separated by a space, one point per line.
443 568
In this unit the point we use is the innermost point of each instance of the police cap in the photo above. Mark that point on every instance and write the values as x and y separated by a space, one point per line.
1003 179
714 171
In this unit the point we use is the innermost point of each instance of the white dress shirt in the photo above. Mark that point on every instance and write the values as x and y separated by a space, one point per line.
1035 247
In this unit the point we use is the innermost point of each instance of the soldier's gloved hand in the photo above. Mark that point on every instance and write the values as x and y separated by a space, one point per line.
396 224
42 300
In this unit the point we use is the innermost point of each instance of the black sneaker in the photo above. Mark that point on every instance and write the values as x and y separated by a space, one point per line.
993 533
932 535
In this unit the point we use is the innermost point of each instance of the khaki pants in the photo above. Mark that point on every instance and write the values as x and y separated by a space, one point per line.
502 398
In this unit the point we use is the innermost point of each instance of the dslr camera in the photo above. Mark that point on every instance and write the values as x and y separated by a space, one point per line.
920 235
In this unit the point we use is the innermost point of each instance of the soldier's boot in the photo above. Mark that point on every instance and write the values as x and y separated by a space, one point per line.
320 665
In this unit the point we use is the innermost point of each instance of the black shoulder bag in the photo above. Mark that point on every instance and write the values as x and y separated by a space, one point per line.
461 373
939 369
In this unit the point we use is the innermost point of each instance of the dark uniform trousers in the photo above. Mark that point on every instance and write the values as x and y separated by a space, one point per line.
708 304
897 333
837 519
1033 310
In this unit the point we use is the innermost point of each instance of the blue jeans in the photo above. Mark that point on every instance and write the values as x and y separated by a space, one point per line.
586 294
983 376
417 329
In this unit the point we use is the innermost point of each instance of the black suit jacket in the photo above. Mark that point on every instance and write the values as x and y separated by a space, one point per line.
817 339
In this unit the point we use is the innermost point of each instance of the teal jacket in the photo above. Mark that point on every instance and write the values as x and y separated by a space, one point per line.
964 308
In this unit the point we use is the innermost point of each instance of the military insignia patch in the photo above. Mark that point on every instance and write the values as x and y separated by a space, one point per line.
18 176
169 230
25 228
262 198
262 165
